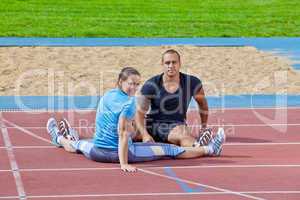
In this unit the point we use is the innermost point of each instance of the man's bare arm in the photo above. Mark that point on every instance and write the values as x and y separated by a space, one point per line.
203 107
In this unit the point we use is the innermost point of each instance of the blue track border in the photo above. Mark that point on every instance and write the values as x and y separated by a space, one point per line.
27 103
274 42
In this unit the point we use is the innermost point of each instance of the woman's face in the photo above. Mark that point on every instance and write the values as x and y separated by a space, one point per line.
130 86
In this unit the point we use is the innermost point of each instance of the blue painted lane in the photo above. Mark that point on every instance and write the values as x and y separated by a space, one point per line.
90 102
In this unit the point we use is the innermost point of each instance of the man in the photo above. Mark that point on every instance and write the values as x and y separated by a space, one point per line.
168 95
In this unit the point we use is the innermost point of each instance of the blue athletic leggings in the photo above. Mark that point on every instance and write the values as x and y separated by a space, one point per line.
138 152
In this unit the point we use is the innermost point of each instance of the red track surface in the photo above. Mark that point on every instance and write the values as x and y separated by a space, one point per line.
260 161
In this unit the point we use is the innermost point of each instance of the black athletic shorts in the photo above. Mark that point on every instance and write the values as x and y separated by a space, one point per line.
160 130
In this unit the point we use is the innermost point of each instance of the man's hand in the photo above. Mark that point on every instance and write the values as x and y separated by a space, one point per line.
143 106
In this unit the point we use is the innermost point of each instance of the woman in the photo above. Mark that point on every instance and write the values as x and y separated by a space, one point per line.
112 141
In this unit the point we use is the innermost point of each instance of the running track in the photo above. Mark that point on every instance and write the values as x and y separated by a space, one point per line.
260 161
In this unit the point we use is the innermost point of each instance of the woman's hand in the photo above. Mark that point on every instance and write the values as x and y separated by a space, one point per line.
128 168
147 138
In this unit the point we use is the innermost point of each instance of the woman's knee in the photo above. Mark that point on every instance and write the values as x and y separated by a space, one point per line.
103 155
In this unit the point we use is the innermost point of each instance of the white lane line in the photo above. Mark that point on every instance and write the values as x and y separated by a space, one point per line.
200 184
226 144
231 166
158 167
211 125
272 192
260 143
153 194
42 111
12 160
251 125
256 108
39 127
27 131
9 197
31 147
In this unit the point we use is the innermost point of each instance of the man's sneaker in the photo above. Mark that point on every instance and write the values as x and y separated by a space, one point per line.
217 142
53 131
67 131
205 137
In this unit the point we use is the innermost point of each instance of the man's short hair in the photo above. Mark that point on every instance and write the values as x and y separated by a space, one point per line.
170 51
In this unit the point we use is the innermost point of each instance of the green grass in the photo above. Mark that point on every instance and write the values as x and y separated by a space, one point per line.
150 18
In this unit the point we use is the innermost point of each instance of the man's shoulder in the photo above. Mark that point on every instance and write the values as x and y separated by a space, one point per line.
154 79
150 86
188 76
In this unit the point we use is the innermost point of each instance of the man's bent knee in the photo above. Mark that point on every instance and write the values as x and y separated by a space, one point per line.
177 134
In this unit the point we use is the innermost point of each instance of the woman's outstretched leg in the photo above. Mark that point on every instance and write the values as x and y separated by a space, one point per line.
140 152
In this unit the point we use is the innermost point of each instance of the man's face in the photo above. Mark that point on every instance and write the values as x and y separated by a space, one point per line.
171 64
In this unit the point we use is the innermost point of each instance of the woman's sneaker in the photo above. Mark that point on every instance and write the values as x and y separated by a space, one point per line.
67 131
53 131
